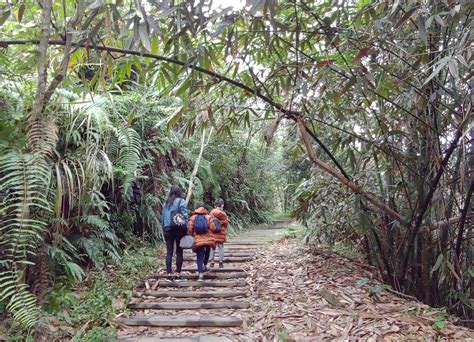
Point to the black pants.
(171, 237)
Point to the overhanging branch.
(294, 115)
(287, 112)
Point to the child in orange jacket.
(220, 237)
(201, 227)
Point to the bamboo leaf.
(362, 53)
(20, 12)
(4, 16)
(96, 4)
(453, 68)
(144, 36)
(441, 64)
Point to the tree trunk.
(196, 166)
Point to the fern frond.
(25, 179)
(130, 145)
(95, 221)
(111, 251)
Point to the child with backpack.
(201, 227)
(221, 221)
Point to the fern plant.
(24, 181)
(96, 239)
(128, 161)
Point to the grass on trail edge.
(86, 311)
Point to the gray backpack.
(217, 224)
(186, 242)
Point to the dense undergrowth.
(85, 311)
(110, 164)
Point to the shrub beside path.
(273, 289)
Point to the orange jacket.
(220, 237)
(205, 239)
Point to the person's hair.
(218, 202)
(175, 192)
(199, 205)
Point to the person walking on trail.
(221, 221)
(174, 222)
(201, 227)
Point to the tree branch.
(294, 115)
(351, 185)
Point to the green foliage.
(373, 289)
(24, 183)
(102, 297)
(384, 86)
(244, 175)
(282, 335)
(295, 230)
(440, 322)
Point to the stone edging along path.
(163, 305)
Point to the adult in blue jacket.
(174, 231)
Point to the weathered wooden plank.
(208, 275)
(228, 304)
(217, 270)
(230, 253)
(192, 294)
(182, 321)
(201, 338)
(205, 283)
(227, 254)
(226, 259)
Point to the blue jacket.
(178, 203)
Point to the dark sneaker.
(221, 265)
(206, 269)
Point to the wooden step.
(227, 254)
(241, 249)
(253, 240)
(226, 259)
(205, 283)
(191, 305)
(243, 244)
(182, 321)
(191, 294)
(232, 253)
(208, 275)
(201, 338)
(217, 269)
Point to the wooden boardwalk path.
(219, 301)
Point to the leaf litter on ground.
(297, 296)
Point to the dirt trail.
(273, 290)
